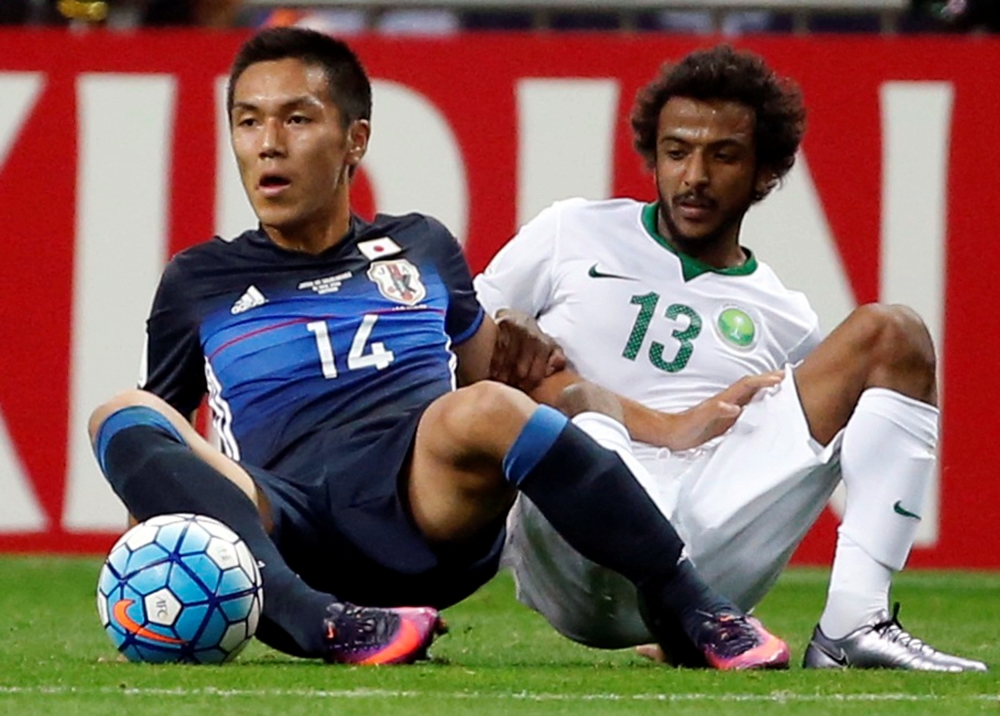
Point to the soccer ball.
(182, 588)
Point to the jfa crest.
(398, 280)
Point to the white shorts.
(742, 503)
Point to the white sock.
(859, 589)
(887, 460)
(612, 435)
(605, 430)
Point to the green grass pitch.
(499, 658)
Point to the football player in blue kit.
(366, 459)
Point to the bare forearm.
(643, 424)
(649, 426)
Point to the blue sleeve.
(465, 314)
(174, 364)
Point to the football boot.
(882, 643)
(373, 635)
(734, 641)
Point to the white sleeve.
(520, 275)
(808, 343)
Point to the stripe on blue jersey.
(130, 417)
(533, 443)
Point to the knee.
(124, 399)
(896, 338)
(487, 412)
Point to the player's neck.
(717, 254)
(312, 237)
(721, 249)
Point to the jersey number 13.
(647, 305)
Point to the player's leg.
(582, 600)
(877, 346)
(621, 610)
(874, 377)
(157, 463)
(744, 503)
(476, 446)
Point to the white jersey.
(667, 331)
(638, 318)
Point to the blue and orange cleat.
(733, 641)
(372, 635)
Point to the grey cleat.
(883, 643)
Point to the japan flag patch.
(378, 248)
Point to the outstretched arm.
(531, 360)
(676, 431)
(514, 350)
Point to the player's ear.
(357, 140)
(766, 180)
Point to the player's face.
(705, 170)
(292, 149)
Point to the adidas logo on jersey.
(251, 298)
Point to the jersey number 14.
(377, 357)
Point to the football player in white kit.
(660, 303)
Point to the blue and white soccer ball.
(181, 588)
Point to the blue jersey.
(303, 355)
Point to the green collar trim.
(692, 267)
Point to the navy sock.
(591, 498)
(154, 472)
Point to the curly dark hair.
(722, 73)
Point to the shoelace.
(892, 630)
(731, 634)
(359, 627)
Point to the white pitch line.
(773, 697)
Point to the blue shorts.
(346, 529)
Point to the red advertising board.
(112, 157)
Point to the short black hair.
(722, 73)
(348, 84)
